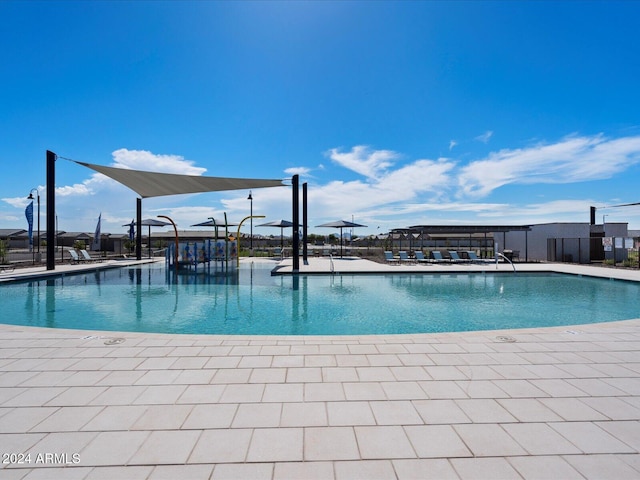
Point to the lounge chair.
(74, 256)
(455, 258)
(437, 257)
(420, 257)
(388, 256)
(473, 257)
(404, 257)
(88, 258)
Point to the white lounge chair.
(74, 256)
(88, 258)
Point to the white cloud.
(302, 171)
(361, 159)
(484, 138)
(574, 159)
(452, 144)
(145, 160)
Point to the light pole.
(603, 217)
(30, 197)
(250, 198)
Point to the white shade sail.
(154, 184)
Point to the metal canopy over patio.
(462, 231)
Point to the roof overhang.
(461, 229)
(154, 184)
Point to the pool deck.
(545, 403)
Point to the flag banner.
(95, 246)
(28, 212)
(132, 231)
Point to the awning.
(154, 184)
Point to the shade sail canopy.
(154, 184)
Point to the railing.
(331, 265)
(498, 254)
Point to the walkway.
(536, 403)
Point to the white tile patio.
(558, 402)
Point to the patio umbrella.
(278, 223)
(147, 222)
(215, 223)
(340, 224)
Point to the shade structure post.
(304, 223)
(51, 210)
(139, 231)
(296, 223)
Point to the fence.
(615, 251)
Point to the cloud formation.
(573, 159)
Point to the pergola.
(461, 231)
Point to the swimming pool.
(149, 299)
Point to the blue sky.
(394, 113)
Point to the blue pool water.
(149, 299)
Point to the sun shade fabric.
(154, 184)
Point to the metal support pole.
(139, 230)
(296, 222)
(51, 210)
(305, 223)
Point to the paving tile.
(558, 388)
(403, 390)
(330, 443)
(162, 417)
(485, 411)
(76, 396)
(75, 473)
(303, 470)
(119, 395)
(201, 394)
(221, 446)
(383, 442)
(572, 409)
(481, 389)
(20, 420)
(276, 445)
(544, 468)
(625, 431)
(440, 412)
(365, 470)
(194, 377)
(613, 408)
(108, 448)
(253, 471)
(488, 440)
(424, 469)
(443, 389)
(268, 375)
(308, 414)
(116, 417)
(210, 416)
(540, 439)
(257, 415)
(158, 377)
(182, 472)
(436, 441)
(232, 375)
(602, 466)
(590, 438)
(395, 413)
(283, 392)
(134, 472)
(166, 447)
(160, 394)
(375, 374)
(364, 391)
(123, 378)
(305, 374)
(242, 393)
(67, 419)
(324, 392)
(529, 410)
(349, 414)
(34, 397)
(339, 374)
(484, 468)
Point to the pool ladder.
(507, 259)
(332, 267)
